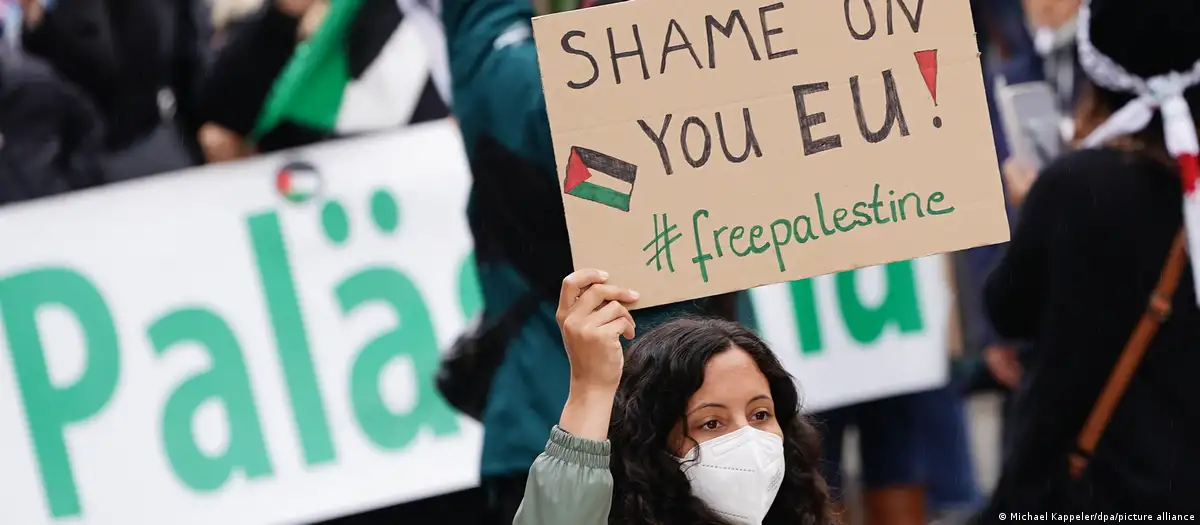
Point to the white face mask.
(738, 474)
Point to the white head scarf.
(1163, 93)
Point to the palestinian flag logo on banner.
(614, 186)
(298, 181)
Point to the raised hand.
(592, 317)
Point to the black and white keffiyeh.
(1163, 93)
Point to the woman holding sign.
(700, 425)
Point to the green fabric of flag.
(310, 89)
(559, 6)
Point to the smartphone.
(1032, 121)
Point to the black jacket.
(243, 72)
(123, 53)
(1087, 251)
(50, 136)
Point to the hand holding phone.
(1019, 177)
(1032, 121)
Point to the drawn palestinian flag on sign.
(298, 181)
(613, 189)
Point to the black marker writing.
(914, 21)
(683, 142)
(675, 38)
(658, 141)
(638, 52)
(668, 48)
(566, 45)
(698, 155)
(769, 32)
(807, 121)
(751, 140)
(727, 30)
(870, 17)
(895, 114)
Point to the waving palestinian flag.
(372, 64)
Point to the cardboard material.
(708, 146)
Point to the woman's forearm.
(588, 411)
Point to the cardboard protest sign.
(708, 146)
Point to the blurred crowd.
(100, 91)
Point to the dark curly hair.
(663, 369)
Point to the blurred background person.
(1051, 57)
(228, 17)
(1089, 249)
(253, 53)
(892, 478)
(1007, 52)
(1052, 24)
(952, 494)
(1042, 48)
(51, 138)
(368, 65)
(140, 62)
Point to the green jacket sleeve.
(569, 483)
(497, 86)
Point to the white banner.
(196, 349)
(863, 334)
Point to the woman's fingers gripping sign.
(593, 316)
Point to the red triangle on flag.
(283, 181)
(577, 172)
